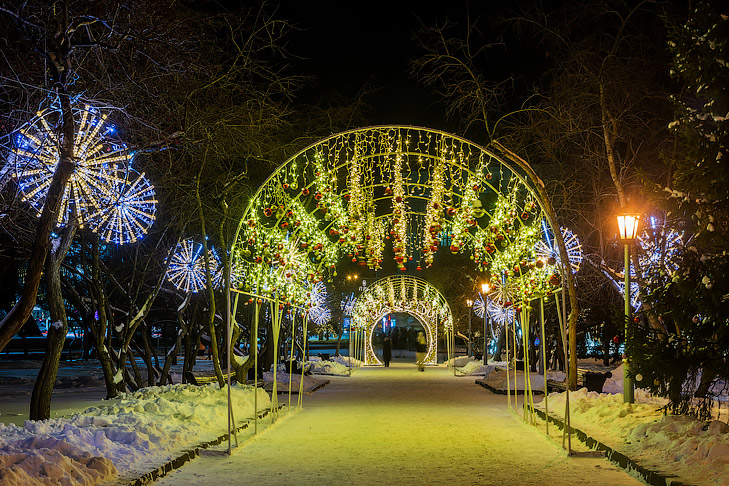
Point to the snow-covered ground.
(127, 436)
(397, 426)
(695, 452)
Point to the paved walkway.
(398, 426)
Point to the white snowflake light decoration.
(130, 214)
(187, 268)
(479, 307)
(547, 247)
(101, 191)
(500, 314)
(348, 304)
(319, 311)
(660, 244)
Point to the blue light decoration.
(187, 267)
(659, 244)
(127, 218)
(102, 191)
(546, 247)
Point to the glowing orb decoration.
(547, 247)
(101, 192)
(129, 214)
(187, 267)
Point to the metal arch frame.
(522, 176)
(507, 159)
(414, 290)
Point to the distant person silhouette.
(386, 351)
(420, 349)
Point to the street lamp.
(628, 227)
(484, 291)
(469, 304)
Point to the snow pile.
(37, 461)
(672, 444)
(614, 384)
(328, 368)
(345, 360)
(460, 361)
(476, 368)
(132, 434)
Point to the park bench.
(592, 380)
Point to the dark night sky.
(348, 43)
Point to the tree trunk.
(209, 287)
(20, 313)
(40, 402)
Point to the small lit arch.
(404, 294)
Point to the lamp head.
(469, 303)
(485, 287)
(628, 226)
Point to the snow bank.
(328, 368)
(476, 368)
(459, 361)
(346, 360)
(671, 444)
(129, 435)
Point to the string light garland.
(353, 195)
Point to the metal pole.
(291, 354)
(506, 340)
(544, 361)
(227, 344)
(628, 388)
(470, 339)
(485, 334)
(254, 344)
(567, 430)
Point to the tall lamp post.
(469, 304)
(484, 290)
(628, 227)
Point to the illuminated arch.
(405, 294)
(353, 193)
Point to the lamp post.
(628, 228)
(469, 304)
(484, 291)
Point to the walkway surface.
(398, 426)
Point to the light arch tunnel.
(409, 189)
(407, 294)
